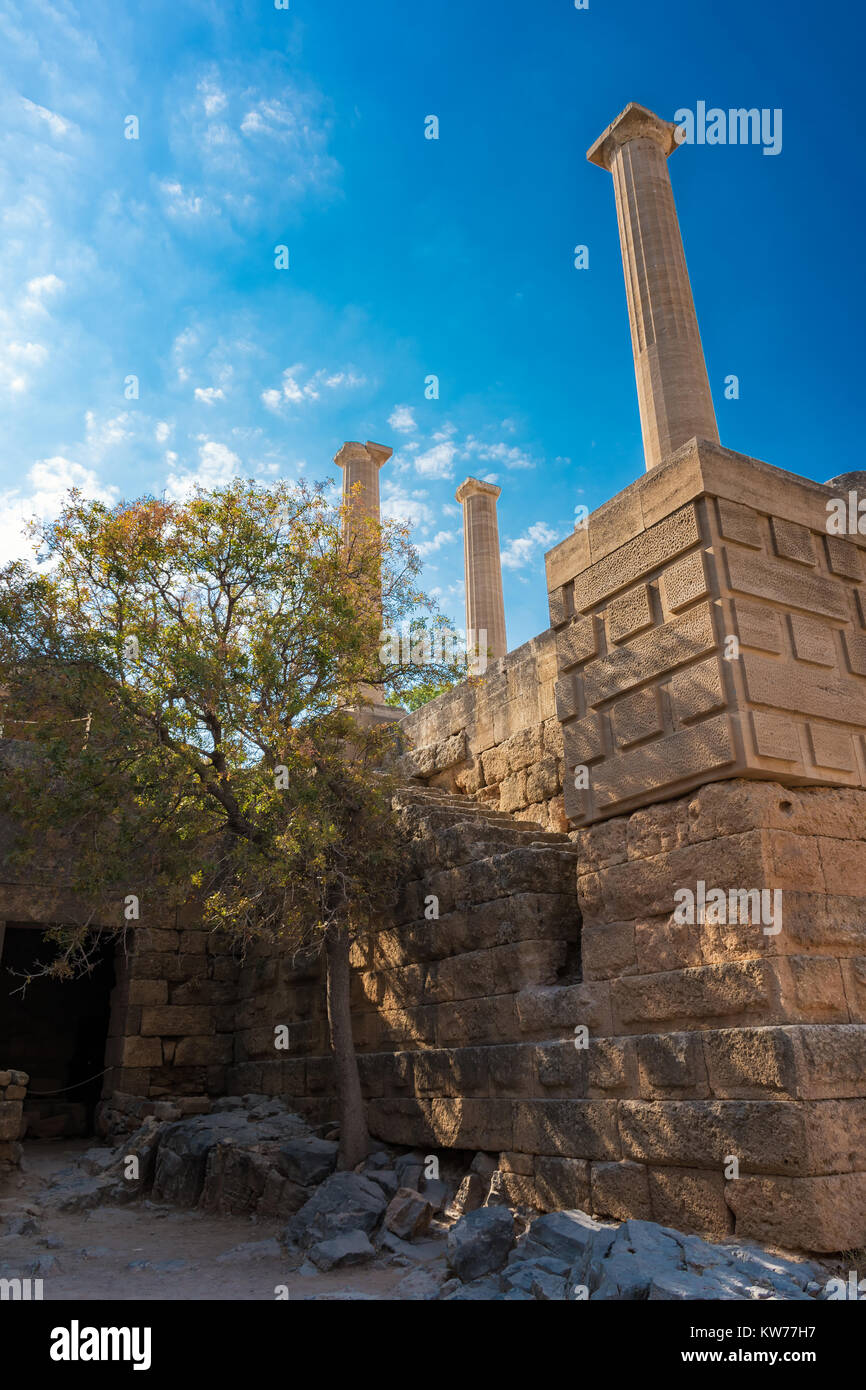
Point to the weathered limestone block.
(672, 1065)
(554, 1010)
(620, 1190)
(612, 1066)
(562, 1184)
(436, 757)
(768, 1136)
(472, 1124)
(690, 1200)
(702, 997)
(825, 1213)
(567, 1128)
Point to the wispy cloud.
(523, 550)
(402, 419)
(294, 390)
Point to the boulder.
(639, 1254)
(307, 1161)
(385, 1178)
(479, 1242)
(351, 1248)
(344, 1202)
(410, 1170)
(571, 1236)
(408, 1215)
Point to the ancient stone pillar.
(672, 386)
(485, 607)
(360, 464)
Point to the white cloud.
(56, 124)
(162, 431)
(209, 394)
(441, 538)
(179, 203)
(402, 419)
(15, 358)
(508, 454)
(523, 549)
(49, 481)
(400, 505)
(217, 466)
(213, 98)
(294, 391)
(39, 289)
(438, 461)
(102, 435)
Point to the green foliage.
(420, 694)
(184, 673)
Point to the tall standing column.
(360, 464)
(672, 385)
(485, 606)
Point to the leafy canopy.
(186, 672)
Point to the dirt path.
(145, 1251)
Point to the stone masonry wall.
(708, 626)
(722, 1040)
(13, 1090)
(497, 738)
(706, 1042)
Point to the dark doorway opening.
(55, 1031)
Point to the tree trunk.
(354, 1140)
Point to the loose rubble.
(454, 1234)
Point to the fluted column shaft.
(672, 384)
(485, 605)
(360, 464)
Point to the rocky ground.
(245, 1203)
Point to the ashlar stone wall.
(497, 737)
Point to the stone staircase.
(439, 808)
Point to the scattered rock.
(344, 1202)
(410, 1170)
(307, 1161)
(470, 1195)
(96, 1161)
(484, 1165)
(421, 1285)
(479, 1242)
(408, 1214)
(386, 1178)
(568, 1235)
(436, 1191)
(351, 1248)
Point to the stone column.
(485, 607)
(360, 464)
(672, 385)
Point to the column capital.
(355, 452)
(472, 486)
(635, 122)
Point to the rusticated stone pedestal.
(709, 625)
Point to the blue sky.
(408, 257)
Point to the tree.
(193, 674)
